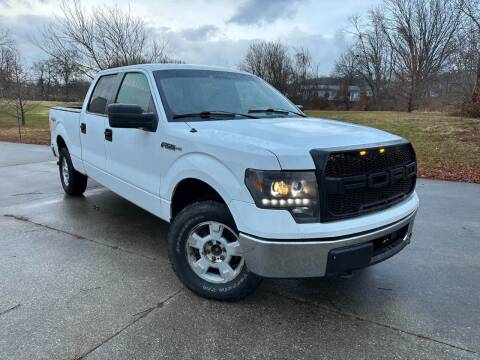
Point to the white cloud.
(264, 11)
(215, 32)
(200, 33)
(24, 29)
(222, 51)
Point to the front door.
(132, 154)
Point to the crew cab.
(252, 187)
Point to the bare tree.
(7, 60)
(302, 75)
(16, 103)
(45, 77)
(13, 84)
(346, 68)
(421, 33)
(102, 38)
(270, 61)
(67, 73)
(373, 54)
(17, 97)
(468, 54)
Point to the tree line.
(407, 50)
(403, 54)
(77, 44)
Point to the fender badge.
(172, 147)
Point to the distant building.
(333, 92)
(331, 89)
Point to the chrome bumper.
(301, 259)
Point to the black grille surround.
(351, 184)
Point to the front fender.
(207, 169)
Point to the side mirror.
(300, 107)
(131, 117)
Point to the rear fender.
(61, 131)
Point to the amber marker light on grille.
(381, 150)
(363, 152)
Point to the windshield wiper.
(213, 114)
(276, 111)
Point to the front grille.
(350, 163)
(351, 184)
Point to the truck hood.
(291, 139)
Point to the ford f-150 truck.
(252, 187)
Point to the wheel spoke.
(216, 231)
(234, 249)
(226, 271)
(196, 241)
(201, 266)
(208, 252)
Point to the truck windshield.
(187, 94)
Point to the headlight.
(295, 191)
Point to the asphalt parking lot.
(89, 278)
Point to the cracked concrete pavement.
(89, 278)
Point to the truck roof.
(154, 67)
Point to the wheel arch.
(190, 190)
(207, 169)
(61, 137)
(61, 143)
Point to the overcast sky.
(214, 32)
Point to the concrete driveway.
(89, 278)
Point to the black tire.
(241, 286)
(77, 182)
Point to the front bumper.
(326, 256)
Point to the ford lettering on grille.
(379, 179)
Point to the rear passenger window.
(136, 91)
(102, 94)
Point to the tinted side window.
(102, 94)
(136, 91)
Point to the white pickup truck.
(252, 187)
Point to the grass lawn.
(36, 130)
(447, 147)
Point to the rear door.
(132, 154)
(94, 122)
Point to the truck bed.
(66, 124)
(75, 109)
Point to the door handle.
(83, 128)
(108, 134)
